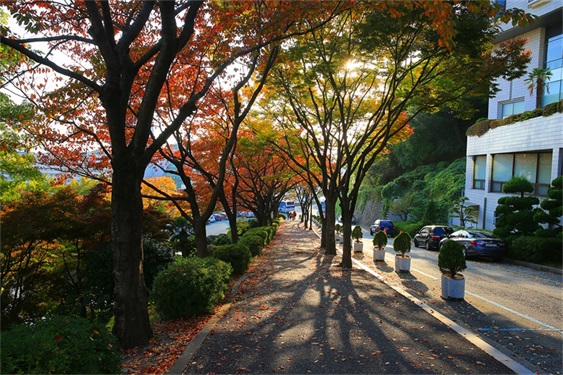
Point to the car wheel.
(415, 243)
(465, 252)
(427, 245)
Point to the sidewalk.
(297, 312)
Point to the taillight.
(474, 243)
(436, 238)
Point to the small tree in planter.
(451, 262)
(379, 242)
(402, 244)
(357, 234)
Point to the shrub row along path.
(298, 312)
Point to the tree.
(536, 81)
(344, 90)
(465, 214)
(121, 62)
(516, 213)
(264, 176)
(402, 206)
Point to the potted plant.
(379, 242)
(357, 234)
(402, 245)
(451, 262)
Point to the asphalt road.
(516, 308)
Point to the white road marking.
(515, 312)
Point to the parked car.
(430, 236)
(477, 243)
(384, 225)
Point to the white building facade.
(531, 148)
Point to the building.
(532, 148)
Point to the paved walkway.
(297, 312)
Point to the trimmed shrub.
(357, 233)
(60, 345)
(536, 249)
(451, 260)
(190, 286)
(380, 239)
(237, 255)
(260, 231)
(531, 114)
(254, 242)
(402, 243)
(221, 239)
(478, 129)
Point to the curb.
(537, 267)
(194, 345)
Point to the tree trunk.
(330, 220)
(132, 326)
(347, 239)
(200, 232)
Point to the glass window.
(513, 108)
(552, 93)
(555, 49)
(544, 170)
(502, 171)
(554, 61)
(525, 165)
(479, 172)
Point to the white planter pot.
(378, 255)
(402, 264)
(358, 247)
(445, 280)
(453, 288)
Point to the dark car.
(477, 243)
(384, 225)
(430, 236)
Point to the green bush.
(410, 228)
(237, 255)
(190, 286)
(451, 260)
(260, 231)
(380, 239)
(254, 242)
(553, 108)
(402, 243)
(220, 239)
(60, 345)
(157, 256)
(536, 249)
(479, 128)
(357, 233)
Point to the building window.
(512, 108)
(553, 91)
(479, 163)
(502, 171)
(535, 167)
(544, 174)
